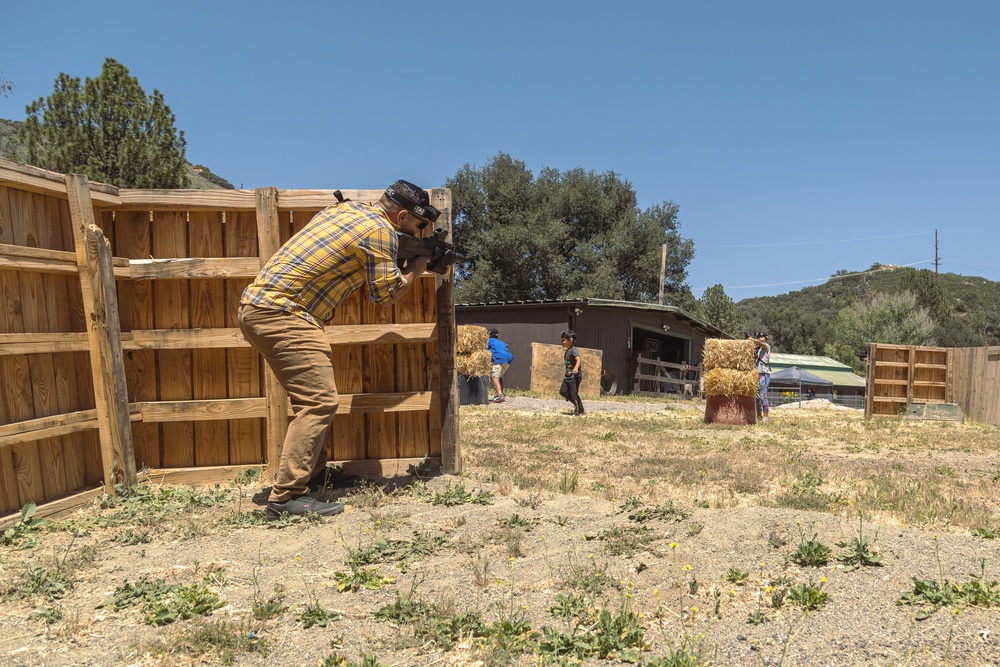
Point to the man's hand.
(416, 265)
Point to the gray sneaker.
(301, 505)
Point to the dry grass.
(928, 474)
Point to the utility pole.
(936, 258)
(663, 271)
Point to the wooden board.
(171, 311)
(548, 369)
(205, 239)
(242, 364)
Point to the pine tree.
(107, 129)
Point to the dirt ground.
(512, 554)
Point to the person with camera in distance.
(762, 361)
(570, 389)
(502, 359)
(283, 310)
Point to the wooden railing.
(654, 377)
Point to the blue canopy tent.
(796, 376)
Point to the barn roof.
(607, 303)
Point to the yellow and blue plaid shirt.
(342, 247)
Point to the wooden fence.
(901, 375)
(120, 350)
(655, 378)
(975, 382)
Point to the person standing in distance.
(570, 389)
(763, 364)
(502, 359)
(283, 310)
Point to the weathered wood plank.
(135, 306)
(192, 339)
(41, 343)
(56, 509)
(186, 200)
(194, 267)
(428, 304)
(111, 360)
(315, 200)
(243, 365)
(411, 374)
(47, 427)
(250, 408)
(171, 311)
(209, 366)
(379, 373)
(268, 242)
(347, 434)
(42, 181)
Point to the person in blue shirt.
(502, 359)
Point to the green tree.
(107, 129)
(718, 309)
(571, 234)
(5, 85)
(894, 318)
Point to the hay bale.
(470, 338)
(729, 382)
(738, 355)
(479, 362)
(735, 410)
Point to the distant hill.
(11, 148)
(966, 309)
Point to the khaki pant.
(299, 354)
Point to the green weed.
(25, 529)
(809, 596)
(358, 578)
(314, 615)
(569, 482)
(859, 551)
(810, 552)
(164, 603)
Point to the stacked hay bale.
(731, 381)
(473, 363)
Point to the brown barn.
(620, 329)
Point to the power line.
(776, 245)
(818, 280)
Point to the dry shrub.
(737, 355)
(470, 338)
(728, 382)
(477, 363)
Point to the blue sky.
(798, 138)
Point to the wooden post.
(100, 304)
(268, 243)
(451, 453)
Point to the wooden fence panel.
(133, 238)
(347, 436)
(378, 371)
(242, 364)
(202, 391)
(211, 438)
(172, 311)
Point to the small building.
(847, 388)
(620, 329)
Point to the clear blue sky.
(798, 138)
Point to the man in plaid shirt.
(283, 310)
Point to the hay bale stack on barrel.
(731, 381)
(473, 362)
(472, 358)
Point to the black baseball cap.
(414, 199)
